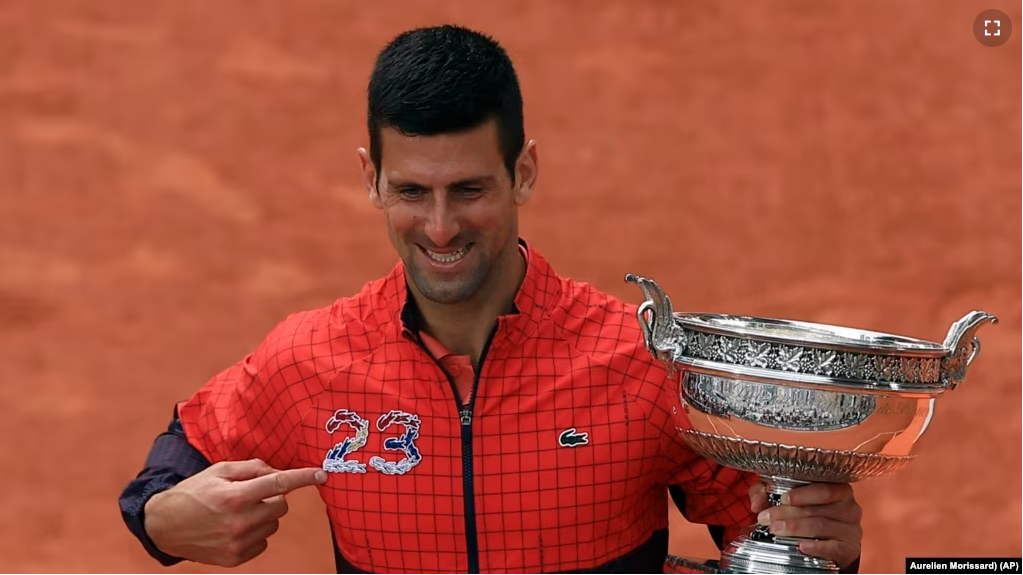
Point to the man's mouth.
(446, 257)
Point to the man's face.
(450, 206)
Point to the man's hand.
(223, 515)
(824, 511)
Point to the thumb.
(244, 470)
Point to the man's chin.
(445, 297)
(445, 292)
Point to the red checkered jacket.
(557, 453)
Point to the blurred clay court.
(177, 176)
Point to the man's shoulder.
(606, 329)
(597, 321)
(333, 335)
(583, 299)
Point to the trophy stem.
(776, 487)
(761, 551)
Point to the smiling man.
(471, 411)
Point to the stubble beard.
(449, 291)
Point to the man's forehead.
(441, 170)
(442, 159)
(440, 178)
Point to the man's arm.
(181, 507)
(214, 483)
(171, 460)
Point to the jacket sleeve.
(248, 410)
(707, 493)
(243, 412)
(171, 460)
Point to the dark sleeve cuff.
(133, 512)
(171, 460)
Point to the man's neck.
(463, 329)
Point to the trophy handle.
(647, 316)
(962, 346)
(657, 320)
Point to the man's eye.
(411, 192)
(472, 190)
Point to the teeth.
(446, 258)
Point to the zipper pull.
(466, 416)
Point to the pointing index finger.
(283, 482)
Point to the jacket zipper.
(465, 418)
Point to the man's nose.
(441, 224)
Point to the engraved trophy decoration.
(797, 402)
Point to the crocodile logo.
(571, 438)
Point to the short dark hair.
(445, 79)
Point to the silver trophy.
(797, 402)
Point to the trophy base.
(759, 553)
(748, 556)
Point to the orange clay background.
(176, 176)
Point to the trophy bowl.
(797, 402)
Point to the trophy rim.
(838, 354)
(809, 334)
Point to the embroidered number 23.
(335, 461)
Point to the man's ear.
(369, 178)
(527, 168)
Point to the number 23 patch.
(337, 459)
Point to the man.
(472, 411)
